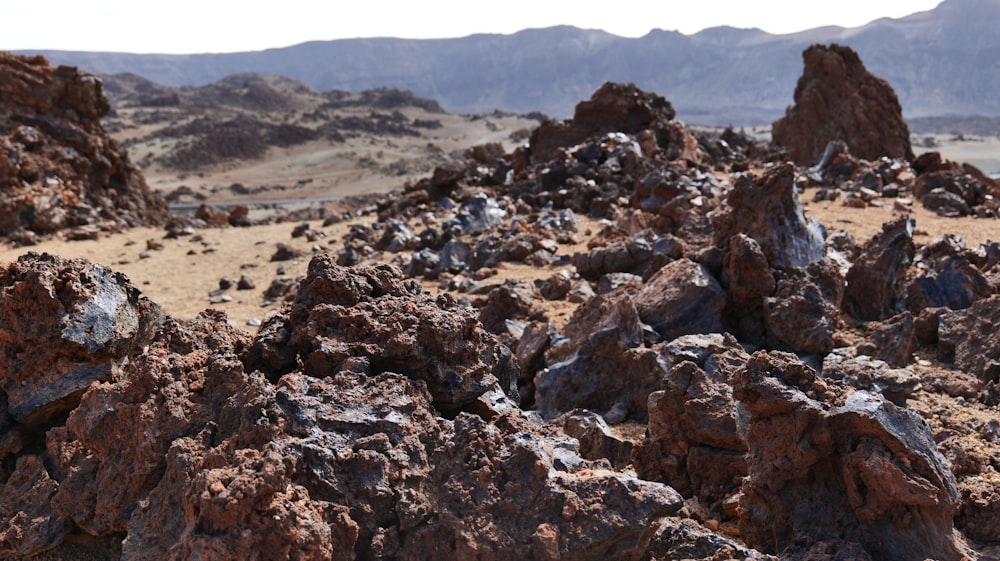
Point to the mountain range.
(940, 62)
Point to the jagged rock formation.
(58, 168)
(838, 99)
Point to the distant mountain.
(942, 61)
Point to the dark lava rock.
(285, 252)
(767, 209)
(371, 320)
(969, 337)
(825, 463)
(682, 298)
(836, 98)
(64, 325)
(876, 280)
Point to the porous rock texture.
(371, 320)
(836, 98)
(188, 454)
(63, 325)
(58, 167)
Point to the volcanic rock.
(836, 98)
(766, 208)
(63, 325)
(30, 523)
(511, 300)
(876, 280)
(827, 463)
(692, 442)
(804, 311)
(969, 338)
(871, 374)
(58, 167)
(370, 320)
(681, 298)
(612, 108)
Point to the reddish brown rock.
(746, 276)
(63, 325)
(836, 98)
(612, 108)
(826, 463)
(803, 313)
(189, 378)
(876, 280)
(693, 443)
(28, 524)
(371, 320)
(58, 167)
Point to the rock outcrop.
(839, 464)
(836, 98)
(59, 170)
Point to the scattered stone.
(245, 283)
(285, 252)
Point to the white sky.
(196, 26)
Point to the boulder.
(836, 98)
(876, 279)
(681, 298)
(969, 338)
(766, 208)
(803, 313)
(826, 462)
(692, 442)
(65, 324)
(59, 169)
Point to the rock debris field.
(624, 340)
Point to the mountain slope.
(940, 62)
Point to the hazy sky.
(195, 26)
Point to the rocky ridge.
(736, 382)
(59, 169)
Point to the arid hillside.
(263, 138)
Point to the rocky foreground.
(736, 382)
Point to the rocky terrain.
(623, 340)
(251, 137)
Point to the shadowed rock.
(767, 209)
(876, 280)
(836, 98)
